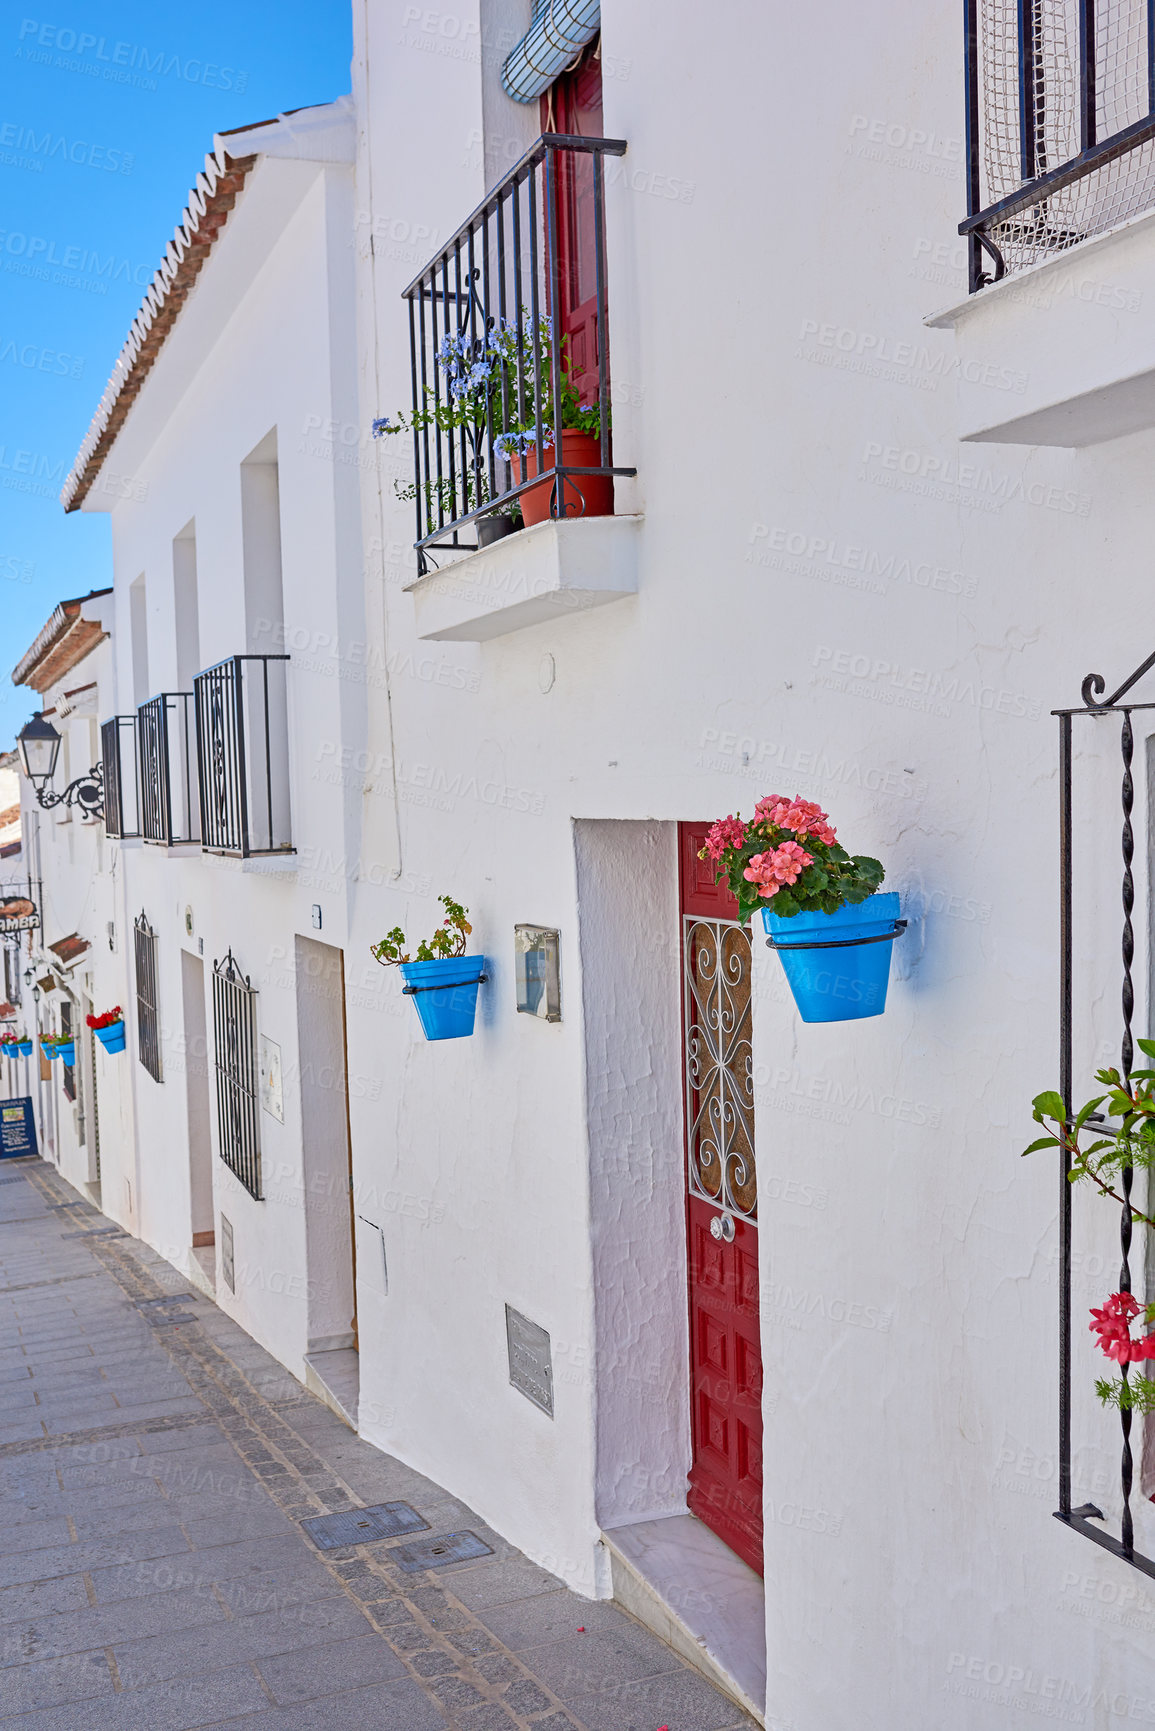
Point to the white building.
(809, 585)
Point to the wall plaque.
(530, 1365)
(272, 1088)
(228, 1267)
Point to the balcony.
(166, 743)
(121, 781)
(242, 740)
(510, 427)
(1060, 230)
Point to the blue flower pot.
(24, 1047)
(112, 1037)
(445, 993)
(67, 1051)
(844, 983)
(49, 1052)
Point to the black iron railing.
(1088, 1518)
(121, 781)
(235, 1054)
(242, 730)
(1060, 126)
(508, 338)
(169, 797)
(147, 998)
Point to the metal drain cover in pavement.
(438, 1553)
(362, 1526)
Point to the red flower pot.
(585, 495)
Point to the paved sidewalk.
(155, 1465)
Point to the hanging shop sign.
(18, 914)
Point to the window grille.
(147, 1006)
(166, 741)
(1060, 125)
(1082, 1421)
(68, 1071)
(242, 731)
(121, 782)
(235, 1056)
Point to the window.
(147, 1013)
(235, 1057)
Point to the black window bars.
(235, 1056)
(242, 733)
(1060, 126)
(488, 347)
(169, 797)
(1086, 1518)
(121, 782)
(147, 1000)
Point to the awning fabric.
(559, 31)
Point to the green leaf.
(1147, 1046)
(1043, 1142)
(1050, 1104)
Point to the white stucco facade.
(822, 580)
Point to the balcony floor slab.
(546, 573)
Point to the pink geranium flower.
(1113, 1325)
(783, 865)
(726, 833)
(802, 816)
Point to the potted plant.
(496, 388)
(1128, 1142)
(51, 1046)
(24, 1047)
(11, 1044)
(832, 932)
(109, 1028)
(441, 979)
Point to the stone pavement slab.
(154, 1575)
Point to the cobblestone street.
(154, 1575)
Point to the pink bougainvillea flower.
(728, 832)
(1113, 1326)
(802, 816)
(782, 866)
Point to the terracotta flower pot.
(585, 495)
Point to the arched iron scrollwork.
(719, 1067)
(235, 1058)
(1086, 1518)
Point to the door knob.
(722, 1228)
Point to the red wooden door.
(722, 1208)
(573, 104)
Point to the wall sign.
(272, 1089)
(530, 1364)
(17, 1128)
(536, 969)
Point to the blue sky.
(106, 114)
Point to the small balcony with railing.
(118, 757)
(166, 753)
(1060, 221)
(515, 483)
(242, 756)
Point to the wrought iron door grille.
(169, 800)
(1060, 125)
(1087, 1518)
(484, 301)
(235, 1055)
(242, 730)
(121, 784)
(719, 1072)
(147, 1002)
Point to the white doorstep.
(335, 1378)
(681, 1581)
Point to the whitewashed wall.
(265, 346)
(835, 598)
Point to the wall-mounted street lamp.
(39, 745)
